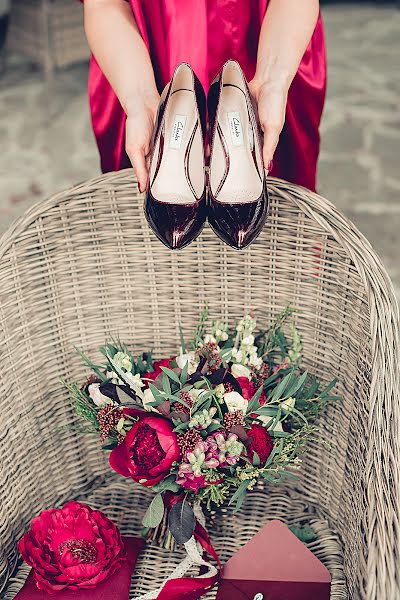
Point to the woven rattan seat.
(83, 265)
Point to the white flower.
(288, 404)
(114, 377)
(219, 391)
(135, 383)
(255, 360)
(248, 340)
(240, 371)
(147, 398)
(266, 419)
(98, 398)
(237, 355)
(209, 339)
(195, 393)
(123, 361)
(235, 401)
(189, 357)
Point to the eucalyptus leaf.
(167, 484)
(155, 512)
(181, 522)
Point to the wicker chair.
(84, 265)
(48, 32)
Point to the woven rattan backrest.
(84, 265)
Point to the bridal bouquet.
(203, 427)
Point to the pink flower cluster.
(217, 450)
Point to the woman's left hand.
(271, 99)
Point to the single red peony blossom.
(165, 362)
(249, 389)
(148, 450)
(73, 547)
(260, 442)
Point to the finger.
(271, 138)
(138, 160)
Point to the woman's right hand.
(140, 119)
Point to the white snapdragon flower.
(235, 401)
(147, 398)
(98, 398)
(209, 339)
(237, 355)
(240, 371)
(122, 360)
(114, 377)
(254, 359)
(189, 357)
(248, 340)
(135, 383)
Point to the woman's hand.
(271, 99)
(139, 129)
(285, 34)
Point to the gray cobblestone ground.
(46, 142)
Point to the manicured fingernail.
(270, 165)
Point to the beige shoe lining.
(243, 182)
(181, 118)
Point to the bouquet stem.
(161, 535)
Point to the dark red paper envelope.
(276, 565)
(115, 587)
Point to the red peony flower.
(73, 547)
(260, 442)
(165, 362)
(249, 389)
(148, 450)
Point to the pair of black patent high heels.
(176, 203)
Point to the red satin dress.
(206, 33)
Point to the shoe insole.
(243, 182)
(171, 183)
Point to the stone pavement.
(46, 142)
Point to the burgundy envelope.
(276, 565)
(115, 587)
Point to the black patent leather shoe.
(175, 204)
(238, 199)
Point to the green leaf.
(305, 534)
(96, 368)
(184, 374)
(328, 388)
(267, 411)
(166, 384)
(256, 460)
(181, 522)
(168, 484)
(200, 329)
(171, 374)
(239, 495)
(254, 403)
(155, 512)
(279, 390)
(158, 395)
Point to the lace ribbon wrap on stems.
(177, 585)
